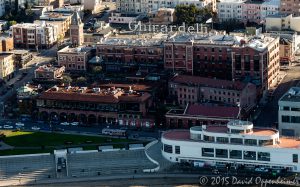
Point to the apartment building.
(230, 10)
(123, 52)
(126, 107)
(54, 3)
(247, 11)
(60, 19)
(30, 35)
(289, 113)
(281, 22)
(185, 89)
(162, 16)
(228, 57)
(288, 7)
(145, 6)
(7, 66)
(74, 59)
(6, 44)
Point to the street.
(92, 130)
(269, 113)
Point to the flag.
(209, 20)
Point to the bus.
(114, 132)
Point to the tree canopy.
(190, 14)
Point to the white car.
(65, 123)
(263, 170)
(8, 127)
(20, 124)
(35, 128)
(75, 123)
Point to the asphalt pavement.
(269, 113)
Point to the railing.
(152, 160)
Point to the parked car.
(262, 170)
(75, 123)
(65, 123)
(19, 124)
(8, 127)
(35, 128)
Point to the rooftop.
(206, 111)
(258, 43)
(80, 49)
(208, 82)
(47, 68)
(184, 135)
(97, 95)
(293, 95)
(134, 40)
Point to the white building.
(270, 7)
(289, 113)
(145, 6)
(122, 18)
(230, 10)
(238, 143)
(280, 22)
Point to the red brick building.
(228, 57)
(96, 106)
(118, 53)
(197, 115)
(185, 89)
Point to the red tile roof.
(212, 111)
(59, 96)
(209, 82)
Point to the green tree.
(81, 81)
(67, 80)
(96, 70)
(190, 14)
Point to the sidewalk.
(98, 178)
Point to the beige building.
(76, 30)
(162, 16)
(7, 67)
(31, 35)
(74, 59)
(280, 22)
(288, 7)
(54, 3)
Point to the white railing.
(152, 160)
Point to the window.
(222, 140)
(209, 138)
(250, 142)
(177, 149)
(295, 158)
(286, 108)
(263, 156)
(285, 119)
(265, 142)
(168, 148)
(295, 119)
(295, 109)
(235, 154)
(238, 62)
(249, 155)
(247, 63)
(235, 131)
(236, 141)
(222, 153)
(208, 152)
